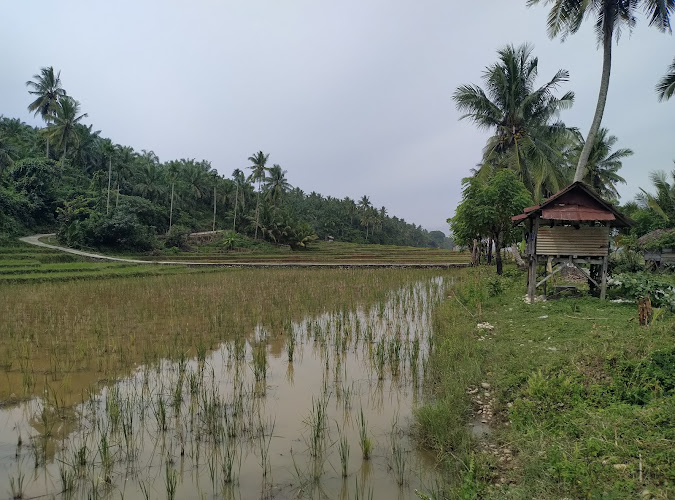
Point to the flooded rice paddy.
(308, 397)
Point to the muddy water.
(283, 415)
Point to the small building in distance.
(570, 229)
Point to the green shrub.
(81, 224)
(638, 382)
(636, 285)
(232, 240)
(177, 237)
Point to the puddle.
(283, 414)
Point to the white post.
(171, 209)
(107, 205)
(214, 209)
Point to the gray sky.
(351, 97)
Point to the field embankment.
(564, 398)
(320, 254)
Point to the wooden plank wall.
(565, 240)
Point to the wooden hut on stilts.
(570, 229)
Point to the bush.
(82, 225)
(122, 231)
(177, 237)
(14, 211)
(636, 285)
(34, 178)
(639, 382)
(656, 240)
(232, 240)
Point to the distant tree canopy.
(95, 193)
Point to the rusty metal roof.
(576, 213)
(577, 202)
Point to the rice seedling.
(318, 425)
(380, 359)
(260, 362)
(159, 410)
(290, 346)
(394, 356)
(343, 451)
(397, 453)
(16, 485)
(230, 458)
(264, 441)
(170, 481)
(364, 440)
(67, 476)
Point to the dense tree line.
(100, 194)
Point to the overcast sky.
(351, 97)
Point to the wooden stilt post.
(532, 278)
(532, 260)
(603, 283)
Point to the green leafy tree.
(666, 86)
(258, 170)
(7, 152)
(611, 16)
(523, 118)
(486, 210)
(36, 180)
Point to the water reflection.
(278, 414)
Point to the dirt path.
(35, 240)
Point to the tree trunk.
(171, 209)
(213, 227)
(236, 202)
(107, 204)
(516, 256)
(489, 251)
(474, 253)
(257, 212)
(602, 99)
(498, 254)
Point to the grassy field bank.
(318, 252)
(576, 398)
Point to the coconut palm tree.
(63, 129)
(364, 203)
(603, 164)
(566, 17)
(276, 184)
(46, 87)
(239, 181)
(259, 160)
(666, 87)
(523, 118)
(662, 202)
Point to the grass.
(582, 396)
(23, 263)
